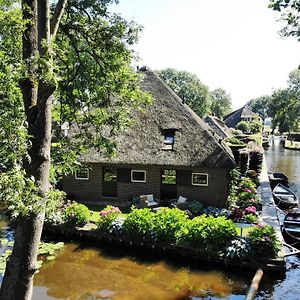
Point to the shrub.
(264, 241)
(167, 222)
(107, 216)
(251, 218)
(216, 212)
(250, 210)
(139, 223)
(235, 141)
(195, 207)
(54, 205)
(256, 126)
(75, 214)
(243, 126)
(206, 233)
(238, 249)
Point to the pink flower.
(250, 210)
(261, 225)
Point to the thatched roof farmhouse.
(169, 151)
(241, 114)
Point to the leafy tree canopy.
(221, 103)
(260, 106)
(290, 14)
(95, 86)
(189, 88)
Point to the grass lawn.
(244, 231)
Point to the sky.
(229, 44)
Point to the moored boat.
(284, 196)
(291, 227)
(278, 177)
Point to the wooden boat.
(278, 177)
(284, 196)
(291, 227)
(265, 143)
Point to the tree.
(189, 88)
(290, 14)
(221, 103)
(284, 106)
(77, 65)
(243, 126)
(260, 106)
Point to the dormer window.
(169, 138)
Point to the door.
(109, 184)
(168, 185)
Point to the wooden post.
(254, 285)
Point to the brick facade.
(90, 191)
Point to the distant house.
(218, 127)
(242, 114)
(168, 152)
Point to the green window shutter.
(184, 178)
(124, 175)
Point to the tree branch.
(59, 10)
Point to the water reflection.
(287, 161)
(86, 273)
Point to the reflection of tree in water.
(87, 274)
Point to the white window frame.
(199, 184)
(82, 178)
(140, 171)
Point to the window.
(109, 174)
(82, 174)
(138, 176)
(200, 179)
(168, 177)
(169, 138)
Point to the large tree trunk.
(37, 95)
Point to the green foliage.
(189, 88)
(208, 234)
(235, 141)
(195, 207)
(96, 88)
(256, 126)
(264, 241)
(107, 216)
(167, 222)
(243, 126)
(290, 14)
(238, 249)
(139, 223)
(221, 103)
(260, 106)
(47, 250)
(75, 214)
(53, 212)
(251, 218)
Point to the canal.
(86, 273)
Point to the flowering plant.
(250, 210)
(264, 241)
(107, 216)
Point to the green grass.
(245, 231)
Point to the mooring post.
(254, 284)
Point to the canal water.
(85, 273)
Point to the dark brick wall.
(91, 191)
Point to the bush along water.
(209, 234)
(75, 214)
(264, 241)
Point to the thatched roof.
(232, 119)
(218, 127)
(143, 143)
